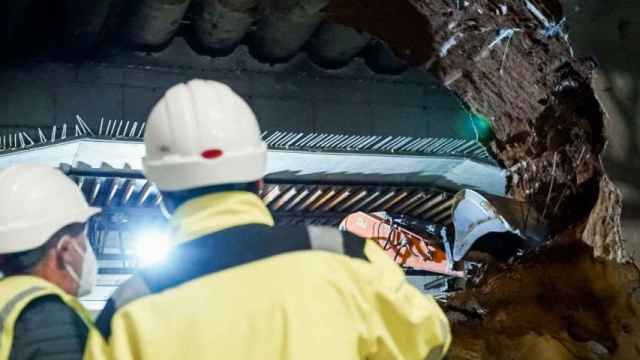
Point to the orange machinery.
(407, 248)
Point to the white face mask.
(87, 279)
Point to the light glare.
(152, 247)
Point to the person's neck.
(53, 274)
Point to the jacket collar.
(214, 212)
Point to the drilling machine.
(497, 226)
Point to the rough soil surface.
(560, 303)
(574, 299)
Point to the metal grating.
(277, 140)
(376, 144)
(291, 203)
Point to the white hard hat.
(35, 202)
(201, 134)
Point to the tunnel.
(394, 110)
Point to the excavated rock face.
(574, 298)
(547, 121)
(603, 230)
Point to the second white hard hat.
(202, 134)
(35, 202)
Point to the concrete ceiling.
(274, 30)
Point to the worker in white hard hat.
(46, 262)
(238, 287)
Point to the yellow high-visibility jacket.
(238, 288)
(16, 292)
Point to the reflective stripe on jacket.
(237, 288)
(17, 292)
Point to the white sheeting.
(445, 172)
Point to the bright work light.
(152, 246)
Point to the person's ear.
(260, 185)
(64, 251)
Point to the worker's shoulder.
(47, 311)
(49, 328)
(379, 266)
(329, 239)
(51, 305)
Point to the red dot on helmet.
(211, 153)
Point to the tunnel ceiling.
(274, 30)
(113, 59)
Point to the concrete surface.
(297, 96)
